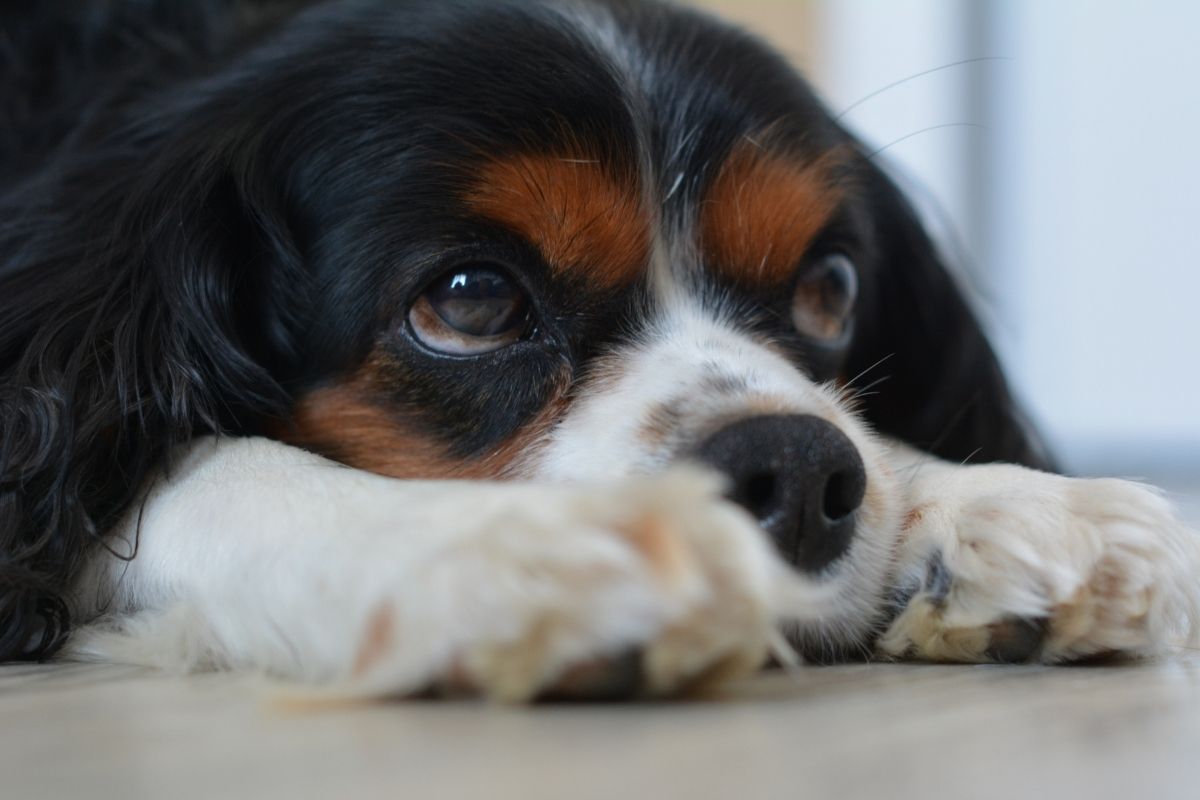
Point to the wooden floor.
(885, 732)
(877, 731)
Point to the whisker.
(953, 423)
(916, 75)
(970, 455)
(868, 369)
(866, 390)
(855, 403)
(785, 654)
(895, 142)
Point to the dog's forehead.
(605, 129)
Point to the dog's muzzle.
(799, 476)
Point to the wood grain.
(894, 731)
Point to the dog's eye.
(823, 305)
(470, 310)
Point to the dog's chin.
(815, 650)
(853, 601)
(835, 640)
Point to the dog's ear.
(129, 284)
(944, 392)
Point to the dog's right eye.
(469, 311)
(823, 304)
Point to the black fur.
(204, 208)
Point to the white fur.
(602, 436)
(1105, 563)
(258, 555)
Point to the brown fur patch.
(912, 518)
(762, 211)
(378, 641)
(581, 216)
(661, 545)
(351, 422)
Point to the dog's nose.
(799, 475)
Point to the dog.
(518, 348)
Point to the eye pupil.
(477, 302)
(838, 286)
(824, 301)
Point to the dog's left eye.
(469, 311)
(823, 305)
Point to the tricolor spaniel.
(522, 347)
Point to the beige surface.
(878, 731)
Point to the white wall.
(1078, 205)
(1099, 143)
(884, 65)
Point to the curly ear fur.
(945, 392)
(126, 304)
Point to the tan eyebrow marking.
(584, 218)
(763, 210)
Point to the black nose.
(799, 475)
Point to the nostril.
(842, 496)
(799, 475)
(757, 494)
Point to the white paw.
(649, 586)
(1009, 564)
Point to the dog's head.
(580, 241)
(553, 241)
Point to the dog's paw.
(1009, 564)
(647, 587)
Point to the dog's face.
(591, 241)
(578, 241)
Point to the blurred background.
(1055, 149)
